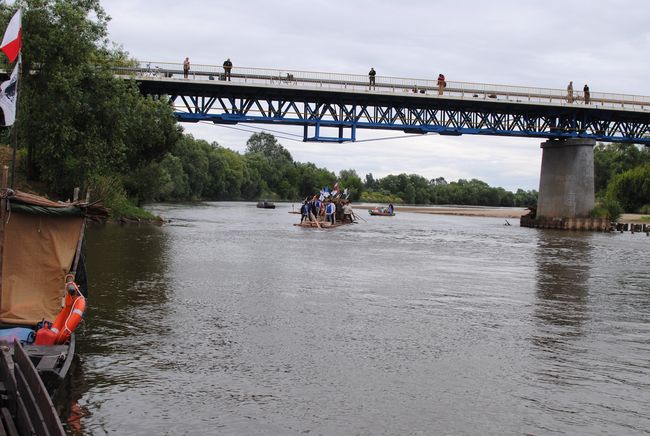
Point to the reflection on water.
(563, 264)
(230, 320)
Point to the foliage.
(613, 159)
(77, 121)
(378, 197)
(348, 179)
(631, 188)
(607, 208)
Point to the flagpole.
(14, 131)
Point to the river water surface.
(230, 320)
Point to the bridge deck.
(354, 83)
(344, 101)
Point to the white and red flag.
(8, 97)
(12, 40)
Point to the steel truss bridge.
(331, 107)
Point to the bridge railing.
(387, 84)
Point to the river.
(230, 320)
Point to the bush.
(645, 209)
(613, 208)
(110, 191)
(631, 189)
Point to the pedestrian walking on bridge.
(587, 94)
(227, 66)
(371, 78)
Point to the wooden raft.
(25, 405)
(323, 224)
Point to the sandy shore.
(494, 212)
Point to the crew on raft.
(329, 210)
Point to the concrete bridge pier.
(566, 183)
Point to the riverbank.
(483, 211)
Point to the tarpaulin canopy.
(39, 241)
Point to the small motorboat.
(266, 205)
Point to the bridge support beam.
(566, 183)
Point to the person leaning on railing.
(227, 66)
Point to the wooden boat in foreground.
(42, 265)
(25, 406)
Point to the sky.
(605, 44)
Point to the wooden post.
(3, 207)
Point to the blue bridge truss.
(335, 114)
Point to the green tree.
(631, 189)
(350, 180)
(80, 124)
(613, 159)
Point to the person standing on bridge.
(569, 92)
(186, 67)
(227, 66)
(371, 78)
(442, 83)
(587, 94)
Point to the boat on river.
(266, 205)
(43, 286)
(384, 211)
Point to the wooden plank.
(30, 404)
(9, 423)
(42, 398)
(3, 432)
(3, 205)
(47, 363)
(8, 376)
(23, 422)
(45, 350)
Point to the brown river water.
(231, 321)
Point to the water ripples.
(233, 321)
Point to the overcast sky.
(529, 43)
